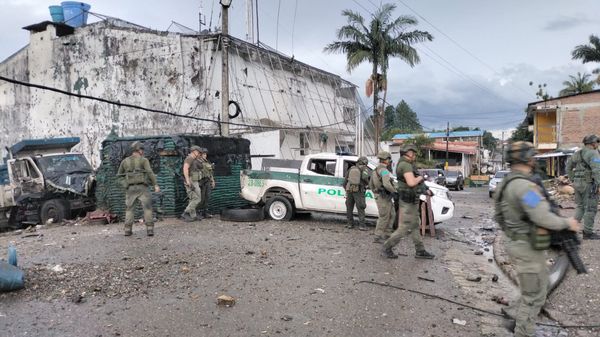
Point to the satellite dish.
(484, 169)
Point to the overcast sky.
(476, 72)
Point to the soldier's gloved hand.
(156, 189)
(574, 225)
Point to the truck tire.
(52, 209)
(279, 208)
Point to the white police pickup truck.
(315, 184)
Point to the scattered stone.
(478, 252)
(495, 278)
(459, 321)
(474, 278)
(225, 300)
(286, 318)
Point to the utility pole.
(502, 168)
(447, 139)
(225, 68)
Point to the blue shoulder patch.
(596, 160)
(384, 172)
(531, 199)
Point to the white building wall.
(162, 71)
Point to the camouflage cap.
(590, 139)
(136, 146)
(519, 152)
(362, 161)
(195, 148)
(383, 155)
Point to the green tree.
(489, 141)
(577, 84)
(383, 38)
(522, 133)
(588, 53)
(400, 119)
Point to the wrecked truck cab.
(42, 180)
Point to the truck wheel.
(52, 209)
(279, 208)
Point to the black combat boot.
(350, 225)
(423, 254)
(362, 227)
(186, 217)
(150, 231)
(389, 253)
(206, 214)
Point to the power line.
(168, 113)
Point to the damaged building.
(286, 108)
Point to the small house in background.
(559, 125)
(464, 149)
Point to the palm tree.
(577, 84)
(383, 38)
(589, 53)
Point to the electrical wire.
(127, 105)
(587, 326)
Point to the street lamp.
(225, 68)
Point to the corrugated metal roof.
(453, 134)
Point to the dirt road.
(297, 278)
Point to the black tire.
(243, 214)
(491, 194)
(53, 209)
(279, 208)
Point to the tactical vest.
(538, 237)
(206, 169)
(375, 183)
(354, 182)
(196, 170)
(582, 172)
(135, 173)
(406, 193)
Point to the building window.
(303, 144)
(349, 115)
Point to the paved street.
(297, 278)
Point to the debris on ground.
(459, 321)
(474, 278)
(225, 300)
(500, 300)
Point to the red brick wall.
(578, 123)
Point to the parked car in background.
(434, 175)
(455, 179)
(495, 181)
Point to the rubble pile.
(561, 190)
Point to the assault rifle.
(565, 239)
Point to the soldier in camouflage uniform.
(526, 218)
(207, 183)
(583, 170)
(410, 187)
(383, 187)
(136, 173)
(356, 182)
(192, 175)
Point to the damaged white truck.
(315, 184)
(42, 181)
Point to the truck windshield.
(64, 164)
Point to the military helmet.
(519, 152)
(362, 160)
(590, 139)
(136, 146)
(203, 150)
(195, 148)
(408, 147)
(383, 155)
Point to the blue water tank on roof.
(75, 13)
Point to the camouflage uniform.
(357, 179)
(136, 173)
(383, 187)
(193, 189)
(521, 209)
(584, 171)
(207, 184)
